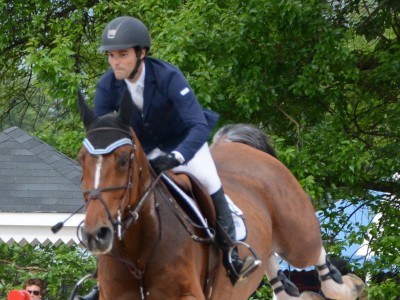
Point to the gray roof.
(34, 177)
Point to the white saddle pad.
(238, 219)
(237, 214)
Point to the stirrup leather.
(250, 263)
(333, 273)
(287, 286)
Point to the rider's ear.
(87, 115)
(125, 109)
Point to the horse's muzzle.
(99, 240)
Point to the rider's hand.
(164, 162)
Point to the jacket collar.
(149, 86)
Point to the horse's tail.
(245, 134)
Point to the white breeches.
(200, 166)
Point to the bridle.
(121, 226)
(131, 214)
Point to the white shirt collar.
(140, 81)
(141, 78)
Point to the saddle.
(194, 189)
(203, 208)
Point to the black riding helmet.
(123, 33)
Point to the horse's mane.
(245, 134)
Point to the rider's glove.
(164, 162)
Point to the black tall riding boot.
(226, 239)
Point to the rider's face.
(122, 62)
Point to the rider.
(168, 120)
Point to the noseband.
(95, 194)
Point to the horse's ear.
(87, 115)
(125, 109)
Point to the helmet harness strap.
(138, 51)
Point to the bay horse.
(147, 249)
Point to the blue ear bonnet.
(105, 134)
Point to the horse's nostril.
(103, 234)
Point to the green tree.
(322, 77)
(59, 266)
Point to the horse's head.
(111, 159)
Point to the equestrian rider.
(167, 118)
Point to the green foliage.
(322, 77)
(389, 290)
(67, 136)
(59, 266)
(264, 292)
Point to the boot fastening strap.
(333, 273)
(286, 286)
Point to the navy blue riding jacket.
(172, 118)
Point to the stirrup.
(73, 295)
(250, 263)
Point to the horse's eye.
(124, 160)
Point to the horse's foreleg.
(283, 288)
(334, 285)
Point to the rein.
(134, 214)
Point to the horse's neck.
(142, 236)
(155, 228)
